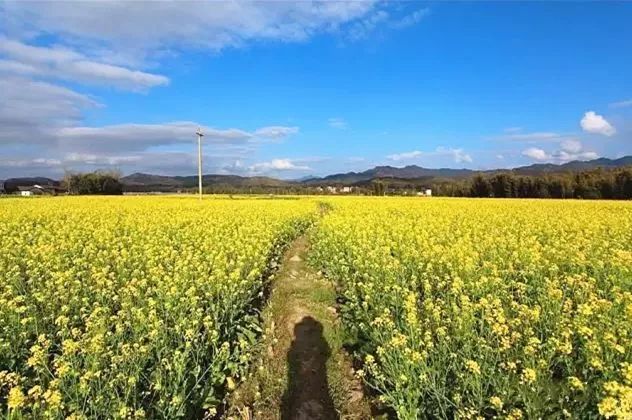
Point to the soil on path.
(303, 372)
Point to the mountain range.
(411, 173)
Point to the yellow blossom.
(16, 398)
(496, 402)
(473, 367)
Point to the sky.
(296, 89)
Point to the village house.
(31, 190)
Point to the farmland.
(466, 308)
(135, 307)
(132, 307)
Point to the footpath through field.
(303, 371)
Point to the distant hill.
(148, 182)
(411, 174)
(407, 175)
(379, 172)
(576, 165)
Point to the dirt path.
(303, 371)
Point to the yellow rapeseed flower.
(16, 398)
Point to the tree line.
(590, 184)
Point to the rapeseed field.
(132, 307)
(482, 308)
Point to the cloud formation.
(539, 136)
(622, 104)
(31, 111)
(456, 154)
(276, 165)
(596, 124)
(406, 155)
(63, 63)
(120, 44)
(135, 147)
(571, 146)
(275, 132)
(363, 27)
(134, 137)
(411, 19)
(536, 153)
(569, 150)
(204, 24)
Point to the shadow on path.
(307, 396)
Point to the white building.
(30, 190)
(428, 192)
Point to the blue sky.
(306, 88)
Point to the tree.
(378, 188)
(94, 183)
(623, 183)
(480, 187)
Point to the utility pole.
(199, 137)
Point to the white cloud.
(596, 124)
(362, 28)
(536, 154)
(571, 146)
(622, 104)
(458, 155)
(278, 165)
(136, 137)
(512, 129)
(30, 110)
(411, 19)
(28, 163)
(533, 137)
(564, 156)
(569, 150)
(58, 145)
(337, 122)
(405, 155)
(63, 63)
(573, 150)
(174, 24)
(275, 132)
